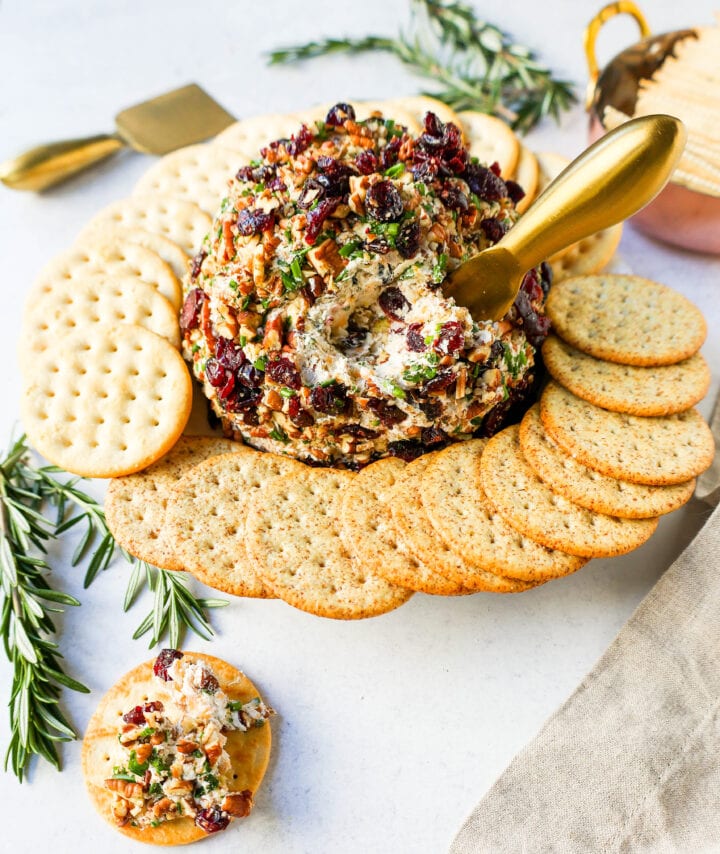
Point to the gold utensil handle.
(46, 165)
(621, 7)
(609, 182)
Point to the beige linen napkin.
(631, 762)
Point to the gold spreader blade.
(609, 182)
(173, 120)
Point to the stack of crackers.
(687, 85)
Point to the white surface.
(389, 730)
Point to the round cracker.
(587, 256)
(457, 507)
(662, 390)
(550, 165)
(527, 174)
(249, 751)
(589, 488)
(414, 524)
(248, 136)
(197, 173)
(626, 319)
(59, 306)
(175, 257)
(183, 222)
(110, 259)
(374, 541)
(491, 140)
(135, 505)
(293, 536)
(531, 507)
(106, 400)
(655, 451)
(205, 517)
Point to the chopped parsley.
(279, 434)
(287, 392)
(137, 767)
(438, 270)
(514, 361)
(395, 171)
(260, 364)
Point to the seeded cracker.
(110, 259)
(180, 221)
(655, 451)
(462, 517)
(106, 400)
(206, 513)
(532, 508)
(527, 175)
(197, 173)
(370, 536)
(491, 140)
(135, 505)
(249, 751)
(293, 536)
(588, 255)
(589, 488)
(661, 390)
(626, 319)
(414, 526)
(57, 308)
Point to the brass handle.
(46, 165)
(621, 7)
(608, 182)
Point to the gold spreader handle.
(46, 165)
(609, 182)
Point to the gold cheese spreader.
(173, 120)
(611, 180)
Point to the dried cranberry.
(388, 414)
(406, 449)
(485, 183)
(190, 315)
(283, 372)
(316, 218)
(366, 162)
(212, 819)
(441, 381)
(251, 221)
(164, 661)
(438, 151)
(432, 436)
(380, 245)
(229, 354)
(299, 141)
(300, 417)
(531, 286)
(393, 303)
(197, 264)
(250, 377)
(407, 241)
(356, 431)
(384, 202)
(312, 191)
(494, 419)
(208, 682)
(330, 399)
(415, 338)
(227, 388)
(389, 154)
(495, 168)
(244, 400)
(214, 373)
(515, 191)
(431, 409)
(339, 114)
(493, 229)
(451, 338)
(256, 174)
(135, 716)
(454, 199)
(535, 326)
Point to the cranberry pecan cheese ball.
(314, 315)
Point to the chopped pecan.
(213, 752)
(273, 400)
(238, 804)
(186, 746)
(326, 259)
(272, 339)
(179, 787)
(163, 806)
(120, 811)
(124, 788)
(142, 752)
(157, 738)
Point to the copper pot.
(680, 216)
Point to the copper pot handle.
(621, 7)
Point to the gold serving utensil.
(610, 181)
(173, 120)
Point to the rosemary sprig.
(25, 624)
(475, 64)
